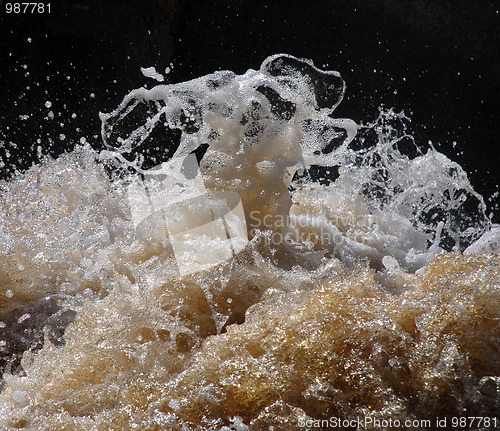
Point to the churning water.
(239, 258)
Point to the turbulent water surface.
(239, 258)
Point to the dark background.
(436, 59)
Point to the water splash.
(343, 302)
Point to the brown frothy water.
(150, 350)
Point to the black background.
(436, 59)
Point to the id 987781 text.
(27, 8)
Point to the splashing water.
(199, 274)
